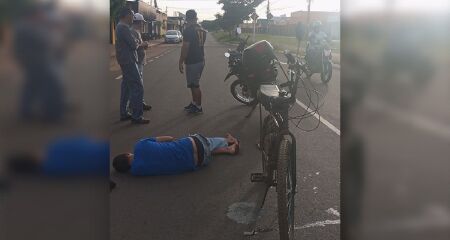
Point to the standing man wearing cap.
(138, 24)
(193, 56)
(126, 54)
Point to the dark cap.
(125, 11)
(191, 14)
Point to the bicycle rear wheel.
(286, 189)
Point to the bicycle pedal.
(257, 177)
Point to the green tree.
(114, 8)
(236, 12)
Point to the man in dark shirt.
(193, 56)
(132, 89)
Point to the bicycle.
(278, 145)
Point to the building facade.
(156, 24)
(176, 22)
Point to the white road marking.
(319, 224)
(333, 212)
(322, 120)
(422, 122)
(119, 77)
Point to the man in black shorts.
(193, 56)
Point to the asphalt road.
(217, 202)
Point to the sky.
(208, 8)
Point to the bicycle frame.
(280, 116)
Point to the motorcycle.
(252, 66)
(319, 61)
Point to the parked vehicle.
(253, 66)
(319, 60)
(181, 34)
(173, 36)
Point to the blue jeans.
(42, 88)
(217, 142)
(209, 145)
(141, 71)
(132, 90)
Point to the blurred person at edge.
(39, 50)
(132, 90)
(71, 156)
(138, 24)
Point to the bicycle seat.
(270, 95)
(269, 91)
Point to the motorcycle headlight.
(227, 55)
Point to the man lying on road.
(166, 155)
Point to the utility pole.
(254, 17)
(269, 15)
(309, 12)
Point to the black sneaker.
(195, 110)
(188, 107)
(140, 121)
(125, 118)
(146, 107)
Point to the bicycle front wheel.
(286, 189)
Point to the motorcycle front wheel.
(242, 93)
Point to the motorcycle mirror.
(227, 54)
(238, 31)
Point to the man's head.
(23, 163)
(316, 26)
(122, 162)
(191, 16)
(138, 21)
(126, 15)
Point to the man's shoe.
(195, 110)
(125, 118)
(146, 107)
(188, 107)
(140, 121)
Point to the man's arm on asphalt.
(184, 52)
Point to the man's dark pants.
(42, 87)
(132, 90)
